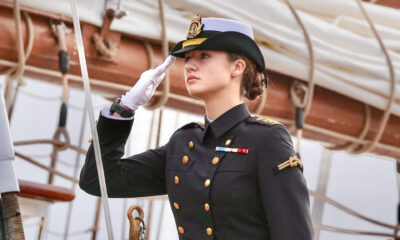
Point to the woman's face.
(207, 72)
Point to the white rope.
(76, 169)
(89, 105)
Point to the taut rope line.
(89, 105)
(303, 108)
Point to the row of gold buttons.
(209, 230)
(207, 183)
(206, 206)
(185, 160)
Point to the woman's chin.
(196, 93)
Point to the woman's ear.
(238, 67)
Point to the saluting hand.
(145, 87)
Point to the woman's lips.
(192, 78)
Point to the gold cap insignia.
(194, 28)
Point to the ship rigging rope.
(349, 211)
(387, 111)
(52, 142)
(64, 69)
(162, 100)
(261, 103)
(158, 138)
(49, 169)
(89, 106)
(15, 73)
(348, 231)
(150, 53)
(303, 107)
(351, 146)
(165, 94)
(107, 52)
(311, 83)
(362, 148)
(28, 47)
(306, 103)
(308, 94)
(119, 87)
(75, 175)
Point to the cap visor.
(181, 53)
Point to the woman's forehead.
(197, 51)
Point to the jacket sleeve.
(284, 193)
(135, 176)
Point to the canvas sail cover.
(348, 58)
(8, 179)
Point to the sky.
(366, 183)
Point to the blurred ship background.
(328, 58)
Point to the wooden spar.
(329, 110)
(387, 3)
(46, 192)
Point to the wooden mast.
(330, 110)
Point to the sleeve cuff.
(105, 112)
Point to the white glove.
(145, 87)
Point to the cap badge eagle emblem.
(194, 28)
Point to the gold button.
(191, 144)
(209, 231)
(215, 160)
(228, 141)
(185, 159)
(176, 206)
(176, 180)
(207, 182)
(207, 207)
(181, 230)
(90, 140)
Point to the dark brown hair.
(253, 80)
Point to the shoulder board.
(193, 125)
(265, 121)
(201, 123)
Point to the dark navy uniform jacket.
(214, 195)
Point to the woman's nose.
(190, 66)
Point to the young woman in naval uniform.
(236, 177)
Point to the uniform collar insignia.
(227, 120)
(194, 28)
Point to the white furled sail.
(348, 58)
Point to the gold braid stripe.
(292, 162)
(195, 41)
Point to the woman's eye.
(187, 58)
(204, 55)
